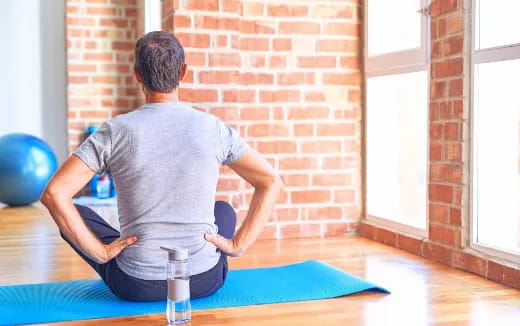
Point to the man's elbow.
(275, 183)
(49, 195)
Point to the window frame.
(479, 56)
(394, 63)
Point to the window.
(397, 113)
(152, 15)
(496, 127)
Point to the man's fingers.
(118, 245)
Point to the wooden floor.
(423, 292)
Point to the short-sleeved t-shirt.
(164, 159)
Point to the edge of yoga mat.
(90, 299)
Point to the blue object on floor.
(94, 201)
(76, 300)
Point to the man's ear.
(183, 72)
(137, 76)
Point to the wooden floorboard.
(423, 292)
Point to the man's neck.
(156, 97)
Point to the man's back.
(164, 158)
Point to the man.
(164, 158)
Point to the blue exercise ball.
(26, 165)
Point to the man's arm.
(261, 175)
(71, 177)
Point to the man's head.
(159, 61)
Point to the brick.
(254, 44)
(368, 231)
(287, 11)
(442, 234)
(439, 7)
(277, 61)
(313, 96)
(81, 67)
(447, 68)
(324, 146)
(350, 79)
(87, 22)
(300, 230)
(296, 180)
(344, 196)
(305, 130)
(269, 231)
(332, 179)
(239, 96)
(317, 62)
(218, 77)
(252, 9)
(225, 113)
(337, 229)
(180, 21)
(437, 252)
(439, 213)
(97, 56)
(445, 172)
(386, 236)
(231, 6)
(455, 87)
(254, 113)
(225, 59)
(295, 78)
(299, 28)
(321, 213)
(350, 29)
(265, 130)
(342, 162)
(77, 79)
(198, 95)
(350, 62)
(123, 45)
(504, 274)
(256, 27)
(279, 146)
(284, 44)
(409, 244)
(454, 24)
(441, 193)
(308, 112)
(204, 5)
(193, 40)
(337, 129)
(453, 45)
(249, 78)
(93, 114)
(114, 22)
(338, 45)
(101, 11)
(469, 263)
(280, 96)
(310, 196)
(332, 11)
(298, 163)
(455, 216)
(106, 79)
(286, 214)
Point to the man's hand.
(227, 246)
(114, 248)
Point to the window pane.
(393, 26)
(497, 23)
(497, 149)
(397, 123)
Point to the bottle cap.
(176, 253)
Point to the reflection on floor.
(423, 292)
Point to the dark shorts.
(135, 289)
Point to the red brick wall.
(448, 227)
(100, 39)
(288, 78)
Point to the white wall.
(33, 80)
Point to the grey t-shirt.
(164, 159)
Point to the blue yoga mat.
(76, 300)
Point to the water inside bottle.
(178, 312)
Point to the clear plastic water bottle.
(178, 310)
(103, 186)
